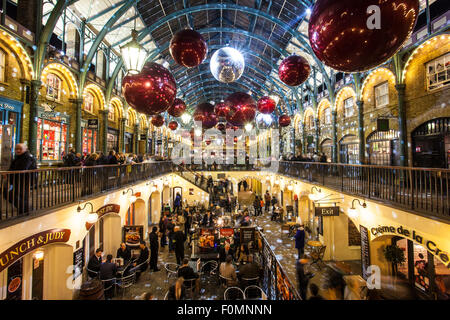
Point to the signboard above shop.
(92, 123)
(326, 211)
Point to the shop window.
(421, 274)
(348, 107)
(52, 138)
(89, 103)
(382, 95)
(53, 87)
(89, 141)
(384, 148)
(327, 115)
(438, 72)
(442, 280)
(402, 268)
(354, 237)
(311, 122)
(111, 114)
(2, 66)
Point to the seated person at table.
(225, 251)
(228, 271)
(124, 252)
(177, 290)
(243, 253)
(108, 270)
(187, 273)
(142, 260)
(249, 270)
(94, 263)
(275, 214)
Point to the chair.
(234, 293)
(171, 270)
(137, 269)
(166, 296)
(318, 256)
(92, 274)
(245, 282)
(224, 281)
(108, 286)
(126, 282)
(209, 268)
(190, 286)
(254, 293)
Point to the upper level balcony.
(33, 193)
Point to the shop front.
(326, 147)
(384, 148)
(112, 140)
(10, 116)
(129, 138)
(90, 136)
(349, 149)
(431, 144)
(52, 136)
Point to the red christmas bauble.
(235, 139)
(173, 125)
(152, 91)
(266, 105)
(188, 48)
(208, 142)
(242, 108)
(221, 109)
(205, 113)
(294, 70)
(157, 120)
(284, 120)
(345, 37)
(177, 108)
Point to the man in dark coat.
(112, 159)
(124, 252)
(179, 238)
(302, 278)
(71, 159)
(154, 247)
(108, 271)
(94, 263)
(300, 241)
(21, 182)
(143, 257)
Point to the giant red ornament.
(294, 70)
(266, 105)
(205, 113)
(173, 125)
(344, 36)
(188, 48)
(177, 108)
(242, 108)
(157, 120)
(284, 120)
(221, 109)
(152, 91)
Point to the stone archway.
(141, 215)
(155, 207)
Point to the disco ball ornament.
(205, 113)
(346, 38)
(157, 120)
(173, 125)
(242, 109)
(177, 108)
(188, 48)
(221, 109)
(266, 105)
(284, 120)
(227, 65)
(294, 70)
(152, 91)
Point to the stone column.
(104, 114)
(34, 104)
(317, 135)
(362, 141)
(136, 140)
(77, 104)
(334, 154)
(402, 124)
(304, 149)
(122, 133)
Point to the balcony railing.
(28, 193)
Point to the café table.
(121, 269)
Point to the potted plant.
(395, 255)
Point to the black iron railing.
(31, 192)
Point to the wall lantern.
(132, 197)
(92, 216)
(314, 197)
(352, 212)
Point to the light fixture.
(132, 197)
(290, 187)
(352, 212)
(198, 132)
(134, 54)
(248, 127)
(38, 255)
(92, 216)
(313, 196)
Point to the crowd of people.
(310, 157)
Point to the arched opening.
(431, 144)
(326, 147)
(141, 215)
(154, 205)
(349, 149)
(384, 147)
(165, 196)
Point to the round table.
(313, 243)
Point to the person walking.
(267, 201)
(154, 247)
(177, 203)
(274, 201)
(179, 238)
(21, 183)
(300, 241)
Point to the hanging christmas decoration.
(294, 70)
(188, 48)
(242, 109)
(227, 65)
